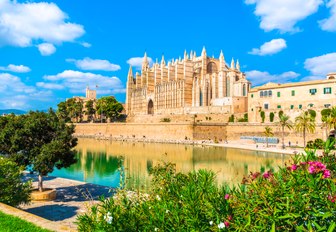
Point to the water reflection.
(98, 161)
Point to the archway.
(150, 108)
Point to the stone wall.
(182, 131)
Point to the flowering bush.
(299, 197)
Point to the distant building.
(89, 95)
(192, 85)
(292, 98)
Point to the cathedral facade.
(192, 85)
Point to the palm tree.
(305, 123)
(268, 132)
(284, 122)
(332, 117)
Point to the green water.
(99, 161)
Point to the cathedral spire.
(191, 55)
(185, 55)
(145, 63)
(232, 64)
(238, 65)
(203, 52)
(221, 61)
(130, 73)
(163, 63)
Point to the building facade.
(292, 98)
(192, 85)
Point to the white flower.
(221, 225)
(167, 211)
(149, 207)
(108, 218)
(158, 197)
(156, 229)
(211, 223)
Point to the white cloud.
(49, 85)
(77, 81)
(16, 94)
(269, 48)
(137, 62)
(283, 15)
(86, 44)
(259, 77)
(321, 65)
(91, 64)
(329, 24)
(46, 49)
(16, 68)
(23, 24)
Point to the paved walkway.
(73, 198)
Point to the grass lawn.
(10, 223)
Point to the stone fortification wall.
(188, 131)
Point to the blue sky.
(52, 50)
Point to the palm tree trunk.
(304, 137)
(40, 183)
(266, 141)
(283, 137)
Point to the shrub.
(280, 113)
(299, 197)
(312, 113)
(318, 143)
(271, 117)
(12, 191)
(262, 115)
(165, 120)
(231, 118)
(187, 202)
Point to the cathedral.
(191, 85)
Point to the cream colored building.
(292, 98)
(192, 85)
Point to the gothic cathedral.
(192, 85)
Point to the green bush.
(312, 113)
(271, 117)
(186, 202)
(299, 197)
(262, 115)
(280, 113)
(316, 144)
(165, 120)
(12, 191)
(231, 118)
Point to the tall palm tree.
(332, 117)
(268, 132)
(284, 122)
(305, 123)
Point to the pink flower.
(326, 173)
(230, 217)
(311, 169)
(227, 196)
(267, 175)
(227, 224)
(294, 167)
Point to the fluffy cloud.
(86, 44)
(77, 82)
(16, 68)
(22, 24)
(283, 15)
(269, 48)
(137, 62)
(91, 64)
(259, 78)
(46, 49)
(329, 24)
(49, 85)
(16, 94)
(321, 65)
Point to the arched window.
(261, 93)
(270, 93)
(150, 107)
(212, 68)
(244, 90)
(265, 93)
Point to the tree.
(305, 123)
(268, 133)
(284, 122)
(90, 110)
(75, 108)
(63, 112)
(109, 107)
(39, 139)
(13, 191)
(332, 117)
(325, 118)
(262, 115)
(271, 117)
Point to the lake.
(101, 161)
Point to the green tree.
(268, 133)
(332, 117)
(262, 115)
(271, 117)
(109, 107)
(325, 118)
(62, 111)
(90, 110)
(39, 139)
(13, 191)
(75, 109)
(284, 122)
(305, 123)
